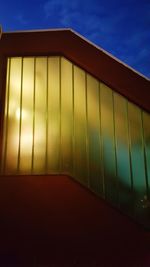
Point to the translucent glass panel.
(137, 152)
(66, 116)
(94, 137)
(146, 128)
(123, 168)
(108, 141)
(60, 119)
(12, 115)
(25, 115)
(53, 115)
(80, 127)
(40, 109)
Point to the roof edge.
(86, 40)
(109, 54)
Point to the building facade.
(71, 108)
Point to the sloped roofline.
(93, 59)
(88, 41)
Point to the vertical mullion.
(20, 116)
(6, 120)
(73, 122)
(144, 153)
(101, 143)
(60, 141)
(87, 136)
(129, 144)
(46, 150)
(115, 146)
(129, 150)
(33, 129)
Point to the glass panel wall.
(60, 119)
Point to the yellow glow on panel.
(53, 147)
(13, 124)
(60, 119)
(66, 115)
(26, 138)
(94, 142)
(40, 115)
(80, 145)
(21, 114)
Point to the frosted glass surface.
(122, 151)
(40, 115)
(146, 125)
(137, 155)
(66, 116)
(94, 140)
(60, 119)
(11, 156)
(107, 128)
(53, 157)
(80, 124)
(26, 134)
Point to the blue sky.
(121, 27)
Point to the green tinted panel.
(137, 155)
(60, 119)
(146, 125)
(122, 151)
(93, 102)
(107, 128)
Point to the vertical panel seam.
(129, 149)
(20, 117)
(6, 121)
(144, 153)
(115, 147)
(87, 136)
(46, 149)
(33, 130)
(73, 122)
(101, 140)
(60, 130)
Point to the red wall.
(52, 219)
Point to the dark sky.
(121, 27)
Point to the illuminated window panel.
(93, 131)
(137, 152)
(122, 152)
(53, 135)
(80, 124)
(39, 152)
(13, 123)
(25, 114)
(66, 116)
(108, 140)
(60, 119)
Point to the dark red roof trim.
(81, 52)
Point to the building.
(68, 107)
